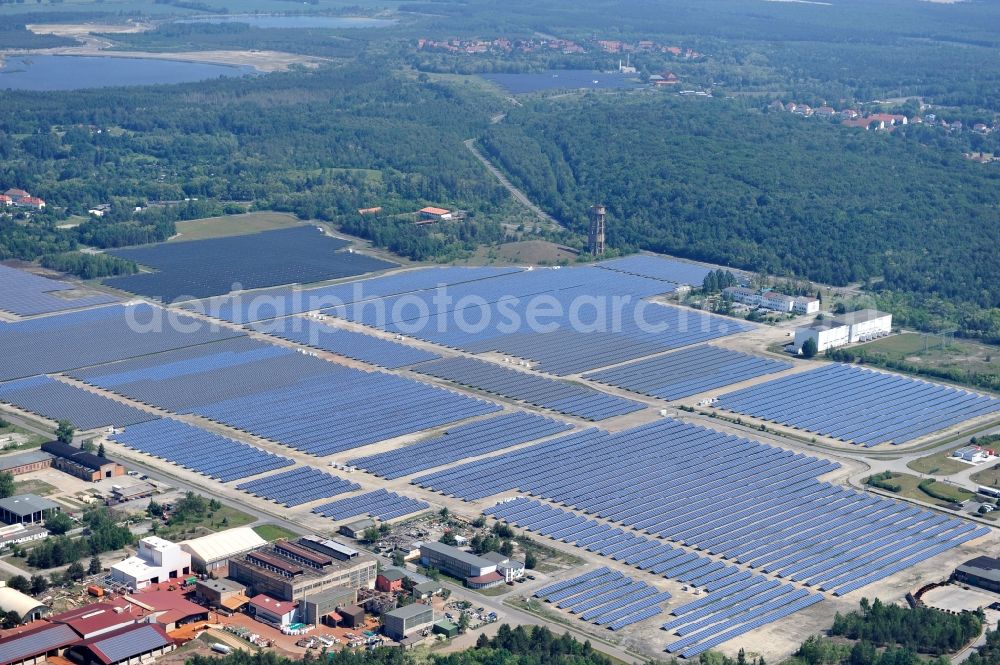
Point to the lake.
(282, 21)
(562, 79)
(75, 72)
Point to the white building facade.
(157, 560)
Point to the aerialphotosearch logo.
(435, 314)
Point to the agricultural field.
(233, 225)
(938, 464)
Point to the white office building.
(861, 326)
(157, 560)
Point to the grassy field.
(909, 488)
(34, 486)
(989, 477)
(932, 353)
(225, 517)
(271, 532)
(29, 440)
(938, 464)
(233, 225)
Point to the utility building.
(404, 621)
(982, 572)
(27, 509)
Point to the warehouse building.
(20, 463)
(851, 328)
(156, 561)
(211, 553)
(405, 621)
(326, 607)
(390, 580)
(36, 644)
(274, 612)
(290, 570)
(982, 572)
(97, 619)
(221, 594)
(27, 509)
(477, 572)
(772, 300)
(12, 600)
(79, 463)
(136, 643)
(356, 530)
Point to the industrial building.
(79, 463)
(168, 609)
(982, 572)
(327, 606)
(778, 302)
(97, 619)
(356, 529)
(274, 612)
(222, 594)
(390, 580)
(862, 326)
(404, 621)
(134, 644)
(21, 533)
(12, 600)
(27, 509)
(156, 561)
(509, 569)
(212, 553)
(36, 644)
(26, 462)
(290, 570)
(478, 573)
(425, 590)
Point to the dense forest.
(919, 629)
(728, 183)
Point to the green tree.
(64, 432)
(371, 535)
(59, 523)
(101, 452)
(75, 571)
(38, 584)
(530, 560)
(809, 348)
(463, 623)
(448, 539)
(19, 583)
(95, 565)
(7, 486)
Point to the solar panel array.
(20, 648)
(688, 372)
(561, 396)
(285, 301)
(347, 343)
(89, 337)
(691, 484)
(605, 597)
(566, 321)
(291, 398)
(298, 486)
(379, 504)
(122, 646)
(56, 400)
(201, 451)
(658, 267)
(741, 599)
(859, 405)
(458, 443)
(25, 294)
(203, 268)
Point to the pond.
(74, 72)
(303, 21)
(562, 79)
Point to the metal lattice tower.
(598, 215)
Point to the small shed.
(446, 628)
(352, 616)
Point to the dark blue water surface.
(75, 72)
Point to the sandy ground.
(91, 45)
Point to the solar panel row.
(560, 396)
(380, 504)
(291, 398)
(691, 485)
(25, 294)
(298, 486)
(62, 342)
(607, 599)
(859, 405)
(347, 343)
(56, 400)
(193, 448)
(658, 267)
(458, 443)
(736, 598)
(687, 372)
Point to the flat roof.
(75, 455)
(222, 584)
(457, 554)
(14, 460)
(224, 544)
(410, 611)
(861, 316)
(25, 504)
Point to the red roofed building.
(667, 78)
(128, 645)
(274, 612)
(29, 202)
(93, 620)
(889, 119)
(15, 193)
(5, 200)
(36, 643)
(170, 609)
(484, 581)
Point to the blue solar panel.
(458, 443)
(298, 486)
(561, 396)
(193, 448)
(56, 400)
(25, 294)
(659, 267)
(380, 504)
(347, 343)
(859, 405)
(687, 372)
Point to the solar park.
(555, 431)
(25, 294)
